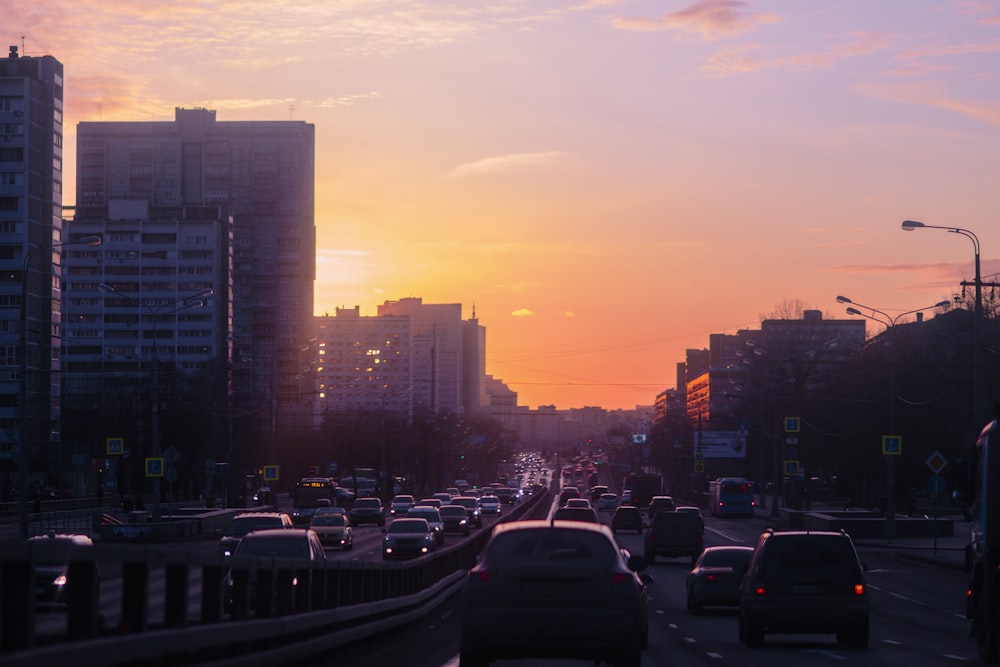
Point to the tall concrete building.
(262, 174)
(31, 235)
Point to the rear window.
(278, 548)
(813, 556)
(551, 544)
(240, 526)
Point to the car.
(401, 504)
(333, 529)
(443, 496)
(453, 491)
(607, 502)
(578, 502)
(52, 554)
(597, 491)
(455, 521)
(627, 517)
(407, 537)
(802, 581)
(433, 517)
(489, 505)
(507, 495)
(657, 503)
(247, 522)
(367, 510)
(692, 510)
(715, 578)
(330, 510)
(674, 534)
(588, 514)
(431, 502)
(567, 493)
(626, 498)
(506, 612)
(471, 506)
(297, 544)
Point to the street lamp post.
(889, 323)
(977, 322)
(195, 300)
(23, 453)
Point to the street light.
(22, 454)
(977, 322)
(889, 323)
(195, 300)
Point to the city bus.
(731, 496)
(310, 493)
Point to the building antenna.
(22, 46)
(291, 111)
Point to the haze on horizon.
(607, 182)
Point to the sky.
(604, 183)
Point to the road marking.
(828, 654)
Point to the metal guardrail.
(340, 601)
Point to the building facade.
(31, 236)
(262, 172)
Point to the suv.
(804, 582)
(657, 503)
(367, 510)
(674, 534)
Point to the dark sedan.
(554, 590)
(407, 538)
(715, 578)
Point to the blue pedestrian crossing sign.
(792, 425)
(114, 446)
(791, 468)
(271, 473)
(154, 467)
(892, 445)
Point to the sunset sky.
(608, 181)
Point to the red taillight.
(479, 575)
(759, 589)
(859, 589)
(968, 593)
(619, 578)
(710, 577)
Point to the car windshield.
(328, 520)
(366, 503)
(423, 513)
(403, 500)
(408, 526)
(811, 555)
(453, 510)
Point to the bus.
(731, 496)
(310, 493)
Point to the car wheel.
(692, 603)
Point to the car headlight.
(59, 581)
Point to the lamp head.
(910, 225)
(843, 299)
(92, 241)
(941, 304)
(854, 311)
(104, 287)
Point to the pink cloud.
(711, 20)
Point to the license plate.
(805, 589)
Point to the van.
(674, 534)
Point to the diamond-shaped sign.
(936, 462)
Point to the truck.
(643, 486)
(982, 554)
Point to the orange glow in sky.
(607, 182)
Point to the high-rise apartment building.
(31, 134)
(261, 173)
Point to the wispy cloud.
(710, 20)
(522, 312)
(347, 100)
(931, 95)
(507, 163)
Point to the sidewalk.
(947, 552)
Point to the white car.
(608, 502)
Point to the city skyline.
(605, 183)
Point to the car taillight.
(859, 589)
(480, 575)
(710, 577)
(759, 589)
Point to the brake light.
(480, 575)
(710, 577)
(759, 589)
(859, 589)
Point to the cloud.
(522, 312)
(710, 20)
(347, 100)
(569, 313)
(507, 163)
(929, 95)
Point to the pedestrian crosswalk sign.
(271, 473)
(114, 446)
(154, 467)
(892, 445)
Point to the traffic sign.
(154, 467)
(699, 466)
(892, 445)
(792, 425)
(271, 473)
(114, 446)
(791, 468)
(936, 462)
(936, 485)
(171, 455)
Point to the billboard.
(721, 444)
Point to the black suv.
(367, 510)
(804, 582)
(674, 534)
